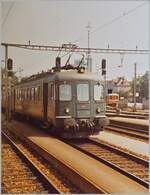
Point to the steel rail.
(129, 132)
(130, 128)
(82, 183)
(42, 177)
(112, 165)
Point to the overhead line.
(118, 18)
(112, 21)
(10, 8)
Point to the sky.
(121, 24)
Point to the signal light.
(103, 66)
(10, 73)
(103, 72)
(9, 64)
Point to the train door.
(45, 100)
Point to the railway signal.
(9, 64)
(103, 66)
(9, 67)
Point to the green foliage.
(14, 77)
(141, 86)
(144, 91)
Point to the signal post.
(8, 74)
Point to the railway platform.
(140, 124)
(132, 145)
(105, 178)
(131, 121)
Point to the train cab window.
(65, 92)
(98, 92)
(83, 92)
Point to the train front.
(80, 105)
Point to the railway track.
(125, 163)
(142, 135)
(126, 114)
(77, 167)
(17, 174)
(24, 171)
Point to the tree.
(144, 85)
(14, 77)
(141, 86)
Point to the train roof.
(64, 75)
(75, 75)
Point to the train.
(112, 99)
(67, 100)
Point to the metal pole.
(9, 98)
(6, 83)
(88, 52)
(105, 87)
(134, 93)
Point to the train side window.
(32, 93)
(25, 94)
(29, 94)
(39, 93)
(22, 94)
(16, 94)
(51, 95)
(35, 93)
(19, 94)
(98, 92)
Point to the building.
(117, 85)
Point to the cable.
(112, 21)
(10, 8)
(118, 18)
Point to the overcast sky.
(121, 24)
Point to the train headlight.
(98, 110)
(67, 110)
(81, 70)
